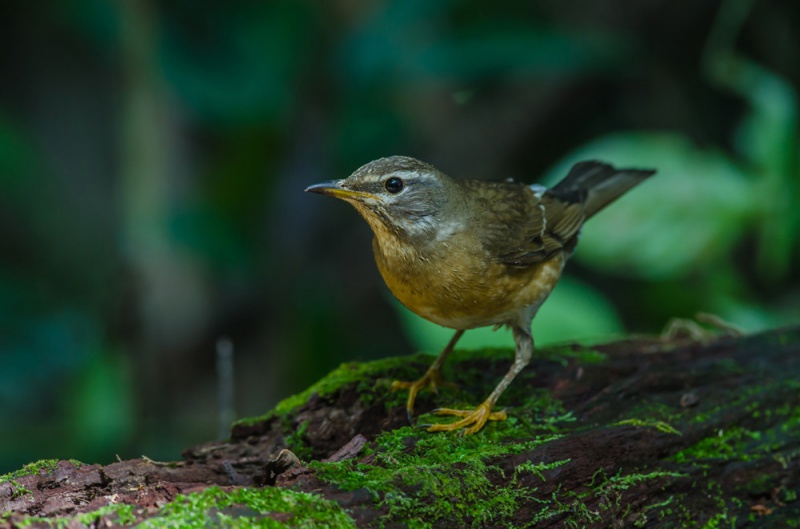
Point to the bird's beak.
(334, 188)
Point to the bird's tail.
(597, 184)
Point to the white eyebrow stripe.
(420, 175)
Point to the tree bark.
(635, 433)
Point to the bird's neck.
(418, 232)
(394, 251)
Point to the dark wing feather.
(596, 184)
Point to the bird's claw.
(471, 420)
(432, 378)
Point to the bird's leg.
(432, 377)
(473, 420)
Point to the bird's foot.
(472, 420)
(432, 378)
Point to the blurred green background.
(153, 157)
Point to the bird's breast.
(455, 284)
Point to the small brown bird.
(467, 253)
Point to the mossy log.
(635, 433)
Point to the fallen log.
(634, 433)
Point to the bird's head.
(398, 195)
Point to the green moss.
(659, 510)
(368, 377)
(720, 520)
(434, 478)
(739, 443)
(603, 500)
(213, 507)
(39, 521)
(371, 377)
(735, 401)
(246, 507)
(721, 517)
(45, 465)
(296, 440)
(626, 481)
(37, 467)
(788, 495)
(124, 515)
(419, 476)
(766, 432)
(661, 426)
(441, 477)
(609, 492)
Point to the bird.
(473, 253)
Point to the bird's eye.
(393, 185)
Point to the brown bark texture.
(635, 433)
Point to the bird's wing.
(521, 228)
(529, 225)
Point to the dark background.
(153, 157)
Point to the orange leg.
(432, 378)
(473, 420)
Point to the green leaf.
(689, 215)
